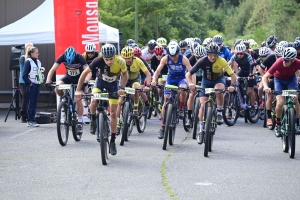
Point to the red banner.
(76, 24)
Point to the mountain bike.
(154, 101)
(67, 114)
(195, 115)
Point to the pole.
(136, 22)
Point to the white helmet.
(200, 51)
(289, 53)
(173, 48)
(90, 47)
(207, 41)
(218, 39)
(279, 50)
(264, 51)
(283, 43)
(240, 48)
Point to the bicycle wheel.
(196, 117)
(167, 124)
(172, 132)
(185, 119)
(254, 116)
(150, 99)
(231, 109)
(212, 130)
(62, 123)
(207, 130)
(101, 131)
(285, 138)
(126, 123)
(141, 121)
(291, 132)
(77, 137)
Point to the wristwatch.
(122, 87)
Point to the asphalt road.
(247, 162)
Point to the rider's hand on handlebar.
(267, 90)
(153, 83)
(250, 76)
(192, 86)
(48, 84)
(78, 94)
(147, 88)
(230, 89)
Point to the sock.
(219, 108)
(269, 113)
(190, 114)
(200, 125)
(278, 121)
(118, 120)
(181, 105)
(93, 117)
(113, 137)
(147, 103)
(80, 120)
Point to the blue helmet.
(70, 54)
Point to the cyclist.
(297, 47)
(212, 67)
(249, 50)
(75, 64)
(148, 53)
(183, 48)
(177, 66)
(89, 55)
(271, 43)
(159, 54)
(134, 65)
(284, 70)
(199, 52)
(110, 68)
(138, 53)
(162, 42)
(129, 42)
(224, 52)
(244, 61)
(264, 67)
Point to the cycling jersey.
(212, 71)
(225, 53)
(147, 55)
(88, 59)
(193, 61)
(154, 64)
(284, 73)
(75, 69)
(244, 62)
(135, 67)
(106, 73)
(176, 69)
(143, 75)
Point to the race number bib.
(74, 72)
(108, 78)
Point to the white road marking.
(203, 183)
(20, 134)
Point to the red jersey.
(285, 73)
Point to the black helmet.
(108, 50)
(263, 44)
(297, 44)
(237, 42)
(152, 44)
(297, 38)
(271, 41)
(183, 44)
(290, 44)
(212, 48)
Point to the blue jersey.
(176, 69)
(225, 53)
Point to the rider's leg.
(260, 93)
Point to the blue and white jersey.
(176, 69)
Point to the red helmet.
(137, 52)
(159, 50)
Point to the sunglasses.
(90, 53)
(212, 55)
(158, 54)
(239, 54)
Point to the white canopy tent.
(20, 32)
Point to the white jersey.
(271, 51)
(147, 55)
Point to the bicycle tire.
(62, 138)
(196, 117)
(273, 114)
(124, 130)
(101, 130)
(213, 130)
(172, 132)
(150, 99)
(229, 104)
(185, 118)
(77, 137)
(291, 135)
(207, 130)
(167, 125)
(254, 118)
(285, 138)
(141, 123)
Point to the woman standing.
(33, 78)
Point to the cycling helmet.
(161, 41)
(279, 50)
(137, 52)
(130, 41)
(254, 45)
(133, 45)
(198, 40)
(212, 48)
(183, 44)
(189, 41)
(271, 41)
(159, 50)
(297, 38)
(297, 45)
(173, 40)
(251, 41)
(238, 41)
(199, 51)
(127, 52)
(207, 41)
(264, 51)
(218, 39)
(194, 45)
(263, 44)
(289, 53)
(246, 43)
(70, 54)
(240, 48)
(90, 47)
(283, 43)
(173, 48)
(152, 44)
(290, 44)
(108, 50)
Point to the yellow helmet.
(127, 52)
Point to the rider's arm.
(82, 78)
(161, 65)
(124, 78)
(199, 65)
(144, 70)
(51, 72)
(186, 62)
(251, 63)
(265, 78)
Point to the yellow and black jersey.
(212, 71)
(88, 59)
(107, 73)
(135, 67)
